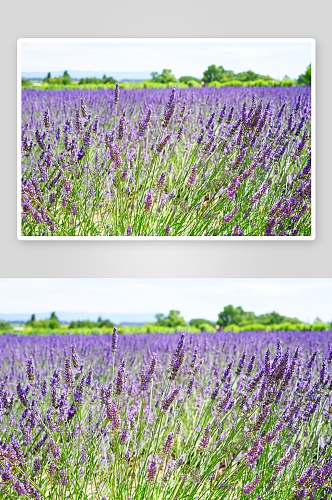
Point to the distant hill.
(77, 74)
(130, 318)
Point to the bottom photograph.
(165, 389)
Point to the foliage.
(173, 320)
(5, 326)
(31, 321)
(287, 82)
(251, 76)
(193, 83)
(165, 76)
(97, 81)
(320, 326)
(150, 84)
(206, 327)
(91, 324)
(237, 316)
(60, 80)
(219, 74)
(52, 323)
(305, 79)
(190, 81)
(231, 315)
(275, 318)
(279, 327)
(25, 82)
(199, 321)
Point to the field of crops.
(167, 162)
(164, 417)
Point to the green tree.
(251, 76)
(25, 82)
(187, 79)
(217, 74)
(31, 321)
(165, 76)
(105, 79)
(305, 79)
(60, 80)
(199, 321)
(108, 79)
(235, 316)
(173, 320)
(212, 74)
(91, 324)
(5, 326)
(66, 80)
(105, 322)
(53, 322)
(275, 318)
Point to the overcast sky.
(204, 298)
(275, 59)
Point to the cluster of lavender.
(219, 416)
(193, 162)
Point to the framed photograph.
(205, 138)
(109, 391)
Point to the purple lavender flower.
(205, 439)
(116, 94)
(148, 202)
(68, 374)
(250, 487)
(113, 415)
(169, 110)
(120, 381)
(163, 143)
(152, 471)
(192, 176)
(114, 340)
(47, 119)
(122, 125)
(167, 445)
(31, 371)
(63, 477)
(74, 356)
(161, 181)
(169, 400)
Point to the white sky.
(205, 298)
(276, 59)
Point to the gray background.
(155, 18)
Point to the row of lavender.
(146, 162)
(208, 416)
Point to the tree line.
(53, 323)
(213, 74)
(228, 317)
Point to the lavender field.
(205, 417)
(230, 161)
